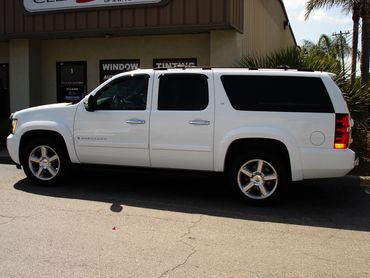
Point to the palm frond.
(312, 5)
(292, 57)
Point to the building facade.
(59, 50)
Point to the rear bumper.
(321, 163)
(12, 144)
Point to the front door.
(117, 132)
(182, 121)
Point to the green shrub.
(358, 102)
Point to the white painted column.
(24, 74)
(19, 74)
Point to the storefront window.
(71, 81)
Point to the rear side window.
(277, 93)
(183, 92)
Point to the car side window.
(126, 93)
(183, 92)
(277, 93)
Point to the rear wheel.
(45, 161)
(258, 177)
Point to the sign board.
(71, 81)
(175, 62)
(55, 5)
(109, 68)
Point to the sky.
(322, 21)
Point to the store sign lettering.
(109, 68)
(175, 62)
(55, 5)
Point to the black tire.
(52, 171)
(273, 165)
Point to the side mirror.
(90, 105)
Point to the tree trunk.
(365, 38)
(356, 26)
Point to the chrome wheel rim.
(257, 179)
(44, 163)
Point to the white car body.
(165, 139)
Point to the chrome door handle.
(135, 122)
(199, 122)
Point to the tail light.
(342, 131)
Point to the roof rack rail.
(176, 67)
(304, 69)
(284, 67)
(203, 67)
(281, 67)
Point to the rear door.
(182, 120)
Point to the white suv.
(263, 128)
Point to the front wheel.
(45, 161)
(258, 177)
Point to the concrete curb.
(365, 182)
(4, 157)
(6, 160)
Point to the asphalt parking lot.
(129, 223)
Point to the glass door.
(71, 81)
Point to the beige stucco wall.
(93, 50)
(226, 48)
(4, 52)
(35, 73)
(264, 27)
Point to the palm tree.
(353, 6)
(356, 8)
(365, 40)
(336, 48)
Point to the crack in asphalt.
(192, 251)
(333, 235)
(318, 257)
(11, 218)
(178, 265)
(76, 210)
(6, 222)
(153, 217)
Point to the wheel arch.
(274, 146)
(42, 133)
